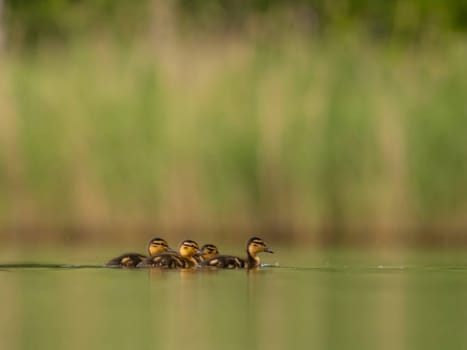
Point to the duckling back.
(225, 262)
(164, 261)
(126, 260)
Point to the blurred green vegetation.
(330, 122)
(402, 20)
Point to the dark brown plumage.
(126, 260)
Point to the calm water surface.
(327, 300)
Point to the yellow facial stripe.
(190, 245)
(210, 249)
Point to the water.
(325, 301)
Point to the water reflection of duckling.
(208, 251)
(188, 251)
(254, 246)
(155, 246)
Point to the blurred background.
(314, 122)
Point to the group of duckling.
(189, 255)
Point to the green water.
(323, 301)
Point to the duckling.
(126, 260)
(207, 252)
(254, 246)
(186, 257)
(155, 246)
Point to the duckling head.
(157, 246)
(209, 251)
(256, 245)
(189, 249)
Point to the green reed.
(331, 140)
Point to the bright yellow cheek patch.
(154, 250)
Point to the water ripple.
(277, 267)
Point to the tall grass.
(336, 140)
